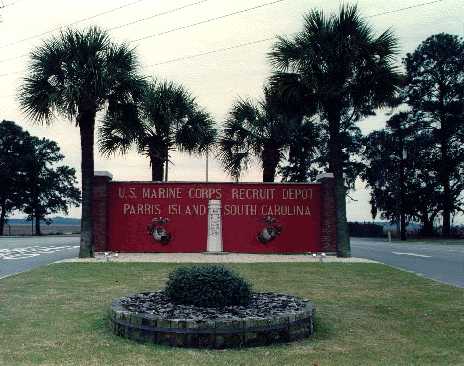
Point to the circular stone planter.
(270, 318)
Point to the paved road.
(19, 254)
(444, 263)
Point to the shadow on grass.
(323, 330)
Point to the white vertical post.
(214, 226)
(166, 170)
(207, 163)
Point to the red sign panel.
(173, 217)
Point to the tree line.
(330, 75)
(415, 166)
(306, 123)
(31, 181)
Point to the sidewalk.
(216, 258)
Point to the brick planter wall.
(218, 334)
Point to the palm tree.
(264, 130)
(304, 153)
(336, 66)
(77, 74)
(168, 118)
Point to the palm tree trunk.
(445, 181)
(2, 217)
(445, 170)
(446, 231)
(157, 167)
(402, 197)
(270, 160)
(427, 226)
(403, 226)
(38, 232)
(336, 167)
(86, 122)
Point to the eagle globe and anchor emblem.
(271, 231)
(157, 229)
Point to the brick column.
(328, 214)
(101, 182)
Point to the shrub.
(207, 286)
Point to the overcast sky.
(216, 79)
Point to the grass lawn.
(367, 314)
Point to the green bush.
(207, 286)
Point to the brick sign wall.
(173, 217)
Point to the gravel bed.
(213, 258)
(262, 305)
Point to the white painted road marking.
(30, 252)
(413, 254)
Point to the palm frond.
(165, 116)
(254, 128)
(337, 60)
(120, 129)
(197, 134)
(78, 70)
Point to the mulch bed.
(262, 305)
